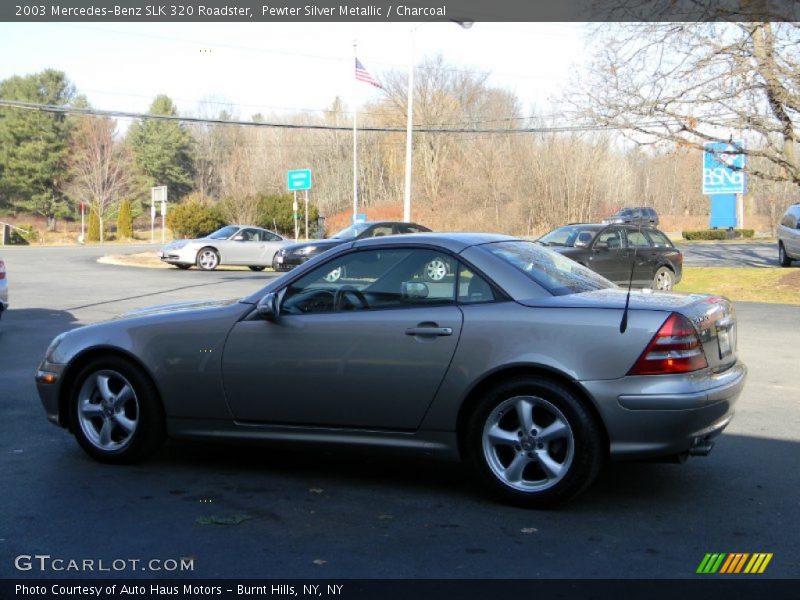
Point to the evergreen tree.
(162, 150)
(125, 220)
(33, 144)
(93, 229)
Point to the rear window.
(558, 274)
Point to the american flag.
(363, 75)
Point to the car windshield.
(625, 212)
(224, 233)
(350, 233)
(567, 236)
(558, 274)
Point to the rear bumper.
(660, 416)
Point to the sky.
(282, 68)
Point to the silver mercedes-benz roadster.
(530, 367)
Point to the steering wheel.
(342, 292)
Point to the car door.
(792, 241)
(643, 256)
(332, 359)
(245, 248)
(608, 255)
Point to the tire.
(664, 279)
(116, 426)
(544, 472)
(183, 267)
(783, 258)
(207, 259)
(435, 270)
(255, 268)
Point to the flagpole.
(355, 137)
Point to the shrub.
(93, 229)
(275, 211)
(717, 234)
(125, 220)
(194, 218)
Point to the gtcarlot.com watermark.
(45, 563)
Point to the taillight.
(2, 270)
(676, 348)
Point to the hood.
(329, 243)
(176, 307)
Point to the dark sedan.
(296, 254)
(611, 251)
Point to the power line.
(50, 108)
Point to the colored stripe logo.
(734, 562)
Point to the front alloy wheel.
(115, 413)
(533, 442)
(207, 259)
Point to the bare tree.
(690, 83)
(99, 166)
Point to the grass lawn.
(749, 284)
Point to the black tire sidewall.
(150, 431)
(589, 453)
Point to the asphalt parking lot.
(730, 254)
(305, 512)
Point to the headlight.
(306, 250)
(51, 349)
(176, 245)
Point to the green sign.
(299, 179)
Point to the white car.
(3, 288)
(232, 245)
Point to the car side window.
(250, 235)
(407, 229)
(659, 239)
(380, 230)
(472, 288)
(371, 280)
(636, 239)
(268, 236)
(610, 238)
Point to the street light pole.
(410, 117)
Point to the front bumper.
(48, 383)
(666, 415)
(288, 262)
(178, 257)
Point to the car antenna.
(623, 324)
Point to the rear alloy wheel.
(436, 270)
(115, 413)
(533, 442)
(207, 259)
(256, 268)
(783, 258)
(663, 280)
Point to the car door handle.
(433, 331)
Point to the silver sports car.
(232, 245)
(522, 362)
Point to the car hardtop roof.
(371, 223)
(455, 242)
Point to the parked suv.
(641, 215)
(789, 236)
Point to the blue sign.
(723, 211)
(360, 218)
(723, 165)
(299, 179)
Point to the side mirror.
(268, 307)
